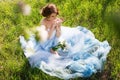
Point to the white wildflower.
(26, 10)
(42, 33)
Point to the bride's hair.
(49, 9)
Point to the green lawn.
(102, 17)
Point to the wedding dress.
(84, 56)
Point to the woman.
(51, 22)
(80, 53)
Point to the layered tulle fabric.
(84, 56)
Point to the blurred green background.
(102, 17)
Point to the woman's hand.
(58, 22)
(54, 52)
(58, 27)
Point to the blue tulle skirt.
(84, 56)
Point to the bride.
(67, 52)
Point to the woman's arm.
(58, 27)
(58, 31)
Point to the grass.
(100, 16)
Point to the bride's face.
(52, 16)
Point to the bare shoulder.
(43, 21)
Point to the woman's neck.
(48, 19)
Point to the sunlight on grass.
(93, 14)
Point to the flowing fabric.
(84, 56)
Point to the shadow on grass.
(112, 18)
